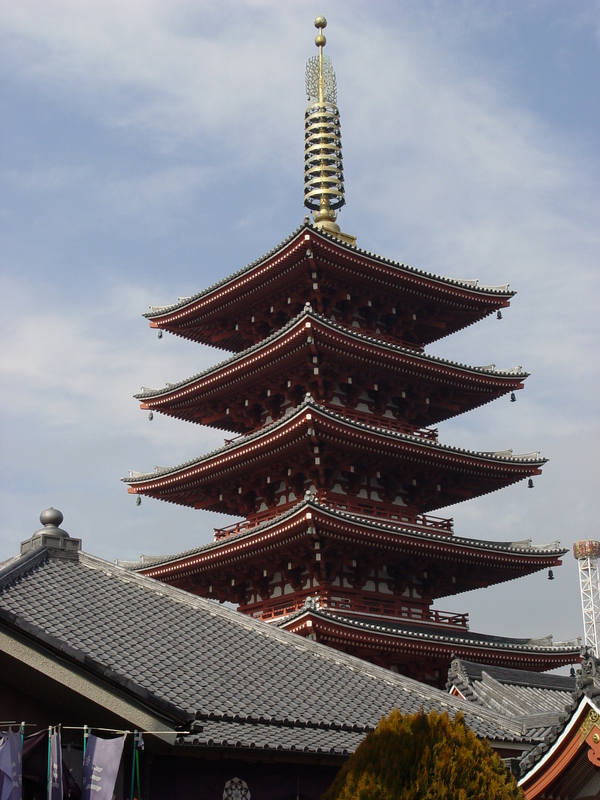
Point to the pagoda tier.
(344, 461)
(348, 562)
(364, 586)
(425, 652)
(372, 380)
(395, 302)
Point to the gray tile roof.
(251, 735)
(469, 285)
(471, 675)
(540, 701)
(245, 681)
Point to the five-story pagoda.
(336, 464)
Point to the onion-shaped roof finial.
(323, 167)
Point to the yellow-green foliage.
(424, 756)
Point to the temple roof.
(493, 456)
(308, 314)
(495, 467)
(538, 699)
(470, 285)
(541, 691)
(462, 638)
(544, 650)
(468, 300)
(189, 658)
(265, 354)
(459, 544)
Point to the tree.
(424, 756)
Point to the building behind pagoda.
(335, 465)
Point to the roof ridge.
(467, 283)
(20, 565)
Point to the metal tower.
(587, 554)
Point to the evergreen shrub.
(424, 756)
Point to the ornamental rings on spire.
(323, 168)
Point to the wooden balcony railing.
(428, 617)
(393, 515)
(390, 423)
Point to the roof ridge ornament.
(323, 167)
(52, 536)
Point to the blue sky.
(151, 148)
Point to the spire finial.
(323, 168)
(321, 41)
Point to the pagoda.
(334, 464)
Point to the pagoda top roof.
(308, 314)
(501, 456)
(401, 628)
(310, 503)
(468, 286)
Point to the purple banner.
(101, 767)
(55, 782)
(11, 767)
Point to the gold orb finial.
(320, 40)
(320, 22)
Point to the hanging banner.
(11, 767)
(55, 782)
(35, 761)
(101, 767)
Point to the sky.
(151, 148)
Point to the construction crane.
(587, 554)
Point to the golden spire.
(323, 168)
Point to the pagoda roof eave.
(468, 287)
(518, 550)
(493, 457)
(467, 638)
(299, 321)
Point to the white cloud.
(77, 367)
